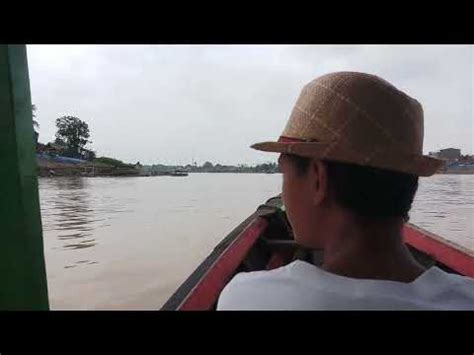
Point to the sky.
(172, 104)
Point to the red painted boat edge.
(445, 252)
(202, 297)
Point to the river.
(128, 243)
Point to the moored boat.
(264, 241)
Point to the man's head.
(352, 149)
(318, 193)
(360, 119)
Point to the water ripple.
(72, 212)
(444, 204)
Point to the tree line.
(209, 167)
(73, 135)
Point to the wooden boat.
(264, 241)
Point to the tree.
(92, 155)
(207, 165)
(72, 133)
(35, 123)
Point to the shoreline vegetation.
(103, 166)
(68, 156)
(49, 166)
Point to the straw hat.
(357, 118)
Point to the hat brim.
(420, 165)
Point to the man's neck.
(372, 250)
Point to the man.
(351, 154)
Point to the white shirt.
(303, 286)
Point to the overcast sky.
(170, 104)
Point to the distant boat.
(178, 173)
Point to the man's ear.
(319, 181)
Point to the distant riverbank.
(48, 168)
(457, 172)
(457, 168)
(52, 167)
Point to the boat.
(170, 173)
(178, 173)
(264, 241)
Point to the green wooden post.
(23, 283)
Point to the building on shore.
(456, 163)
(449, 154)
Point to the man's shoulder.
(303, 286)
(253, 287)
(244, 279)
(460, 283)
(438, 275)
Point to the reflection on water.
(74, 214)
(128, 243)
(69, 212)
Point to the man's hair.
(367, 192)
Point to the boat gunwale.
(190, 302)
(183, 292)
(179, 297)
(443, 251)
(442, 240)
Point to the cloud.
(173, 103)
